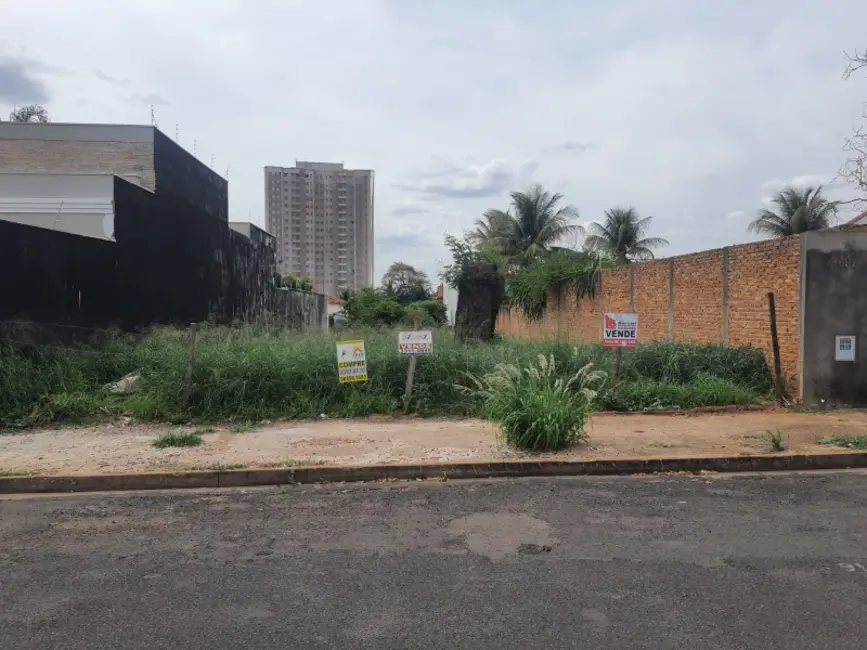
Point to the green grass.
(847, 442)
(190, 439)
(247, 375)
(775, 437)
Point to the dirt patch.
(119, 448)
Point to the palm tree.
(533, 224)
(30, 113)
(623, 236)
(799, 210)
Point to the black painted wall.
(835, 303)
(180, 173)
(171, 263)
(55, 277)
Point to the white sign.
(415, 343)
(620, 330)
(844, 348)
(351, 361)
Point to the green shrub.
(537, 409)
(652, 395)
(679, 363)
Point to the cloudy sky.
(692, 111)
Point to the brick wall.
(717, 296)
(119, 158)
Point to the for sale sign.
(351, 361)
(415, 343)
(621, 330)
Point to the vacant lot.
(254, 374)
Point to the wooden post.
(191, 361)
(410, 375)
(779, 389)
(618, 359)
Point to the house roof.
(860, 220)
(334, 300)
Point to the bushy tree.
(406, 284)
(372, 307)
(426, 312)
(31, 113)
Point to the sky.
(694, 113)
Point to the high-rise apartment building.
(322, 217)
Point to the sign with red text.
(620, 331)
(415, 343)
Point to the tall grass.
(250, 374)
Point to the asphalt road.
(668, 562)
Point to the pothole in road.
(501, 535)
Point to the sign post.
(351, 361)
(619, 331)
(414, 345)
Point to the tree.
(426, 312)
(799, 210)
(623, 236)
(30, 113)
(854, 170)
(372, 307)
(406, 284)
(534, 223)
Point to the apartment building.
(322, 217)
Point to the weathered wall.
(835, 305)
(197, 267)
(717, 296)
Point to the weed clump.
(537, 409)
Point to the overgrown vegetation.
(847, 442)
(530, 286)
(405, 297)
(537, 408)
(250, 375)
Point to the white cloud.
(669, 105)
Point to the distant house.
(858, 223)
(449, 297)
(335, 305)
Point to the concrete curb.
(290, 476)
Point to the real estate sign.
(620, 331)
(351, 361)
(415, 343)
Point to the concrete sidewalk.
(402, 441)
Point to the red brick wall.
(651, 298)
(697, 311)
(754, 270)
